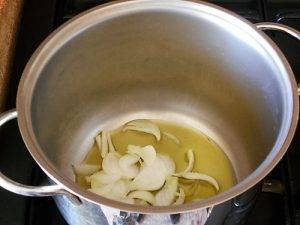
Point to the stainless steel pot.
(185, 61)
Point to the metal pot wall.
(184, 61)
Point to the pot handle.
(282, 28)
(27, 190)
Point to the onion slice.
(172, 137)
(104, 144)
(111, 147)
(150, 178)
(110, 164)
(103, 190)
(127, 200)
(202, 177)
(145, 126)
(98, 142)
(101, 178)
(128, 167)
(120, 188)
(140, 202)
(143, 195)
(85, 169)
(116, 191)
(167, 194)
(181, 197)
(169, 164)
(191, 160)
(147, 153)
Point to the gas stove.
(279, 201)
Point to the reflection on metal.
(18, 188)
(273, 186)
(287, 15)
(27, 190)
(242, 206)
(282, 28)
(279, 27)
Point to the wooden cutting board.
(10, 15)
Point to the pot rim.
(71, 28)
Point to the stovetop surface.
(40, 18)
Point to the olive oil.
(209, 158)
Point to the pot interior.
(186, 65)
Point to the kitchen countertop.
(9, 21)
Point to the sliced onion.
(103, 190)
(150, 178)
(116, 191)
(128, 167)
(143, 126)
(85, 169)
(191, 160)
(111, 147)
(181, 197)
(169, 164)
(98, 142)
(96, 184)
(101, 178)
(167, 194)
(201, 176)
(110, 164)
(191, 189)
(172, 137)
(143, 195)
(104, 144)
(140, 202)
(87, 179)
(120, 188)
(127, 200)
(147, 153)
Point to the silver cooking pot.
(184, 61)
